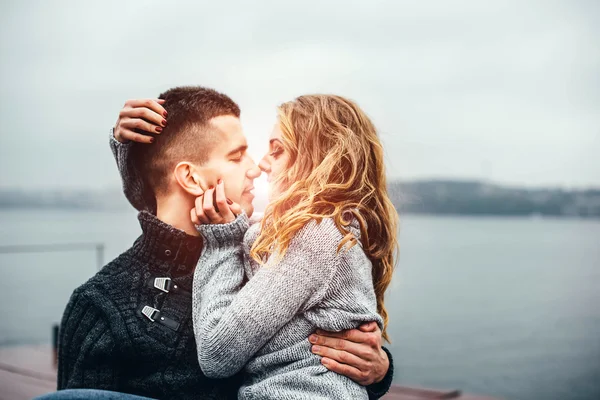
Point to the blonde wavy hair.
(335, 166)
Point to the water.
(504, 307)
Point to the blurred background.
(490, 117)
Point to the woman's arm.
(142, 115)
(232, 323)
(133, 183)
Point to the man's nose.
(253, 172)
(264, 166)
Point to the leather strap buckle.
(154, 315)
(163, 284)
(148, 312)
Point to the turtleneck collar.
(165, 247)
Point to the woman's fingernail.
(219, 181)
(316, 349)
(151, 140)
(312, 338)
(158, 129)
(164, 122)
(165, 114)
(211, 187)
(229, 201)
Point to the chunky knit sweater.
(264, 324)
(129, 328)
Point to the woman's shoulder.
(321, 231)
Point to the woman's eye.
(276, 152)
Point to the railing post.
(99, 256)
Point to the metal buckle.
(162, 284)
(149, 312)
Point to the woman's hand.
(140, 115)
(213, 207)
(355, 353)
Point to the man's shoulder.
(117, 273)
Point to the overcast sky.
(507, 91)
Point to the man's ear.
(189, 179)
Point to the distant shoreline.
(427, 197)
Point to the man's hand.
(140, 115)
(355, 353)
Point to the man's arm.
(86, 348)
(357, 354)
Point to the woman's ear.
(188, 179)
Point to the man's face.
(230, 162)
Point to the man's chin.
(249, 210)
(246, 203)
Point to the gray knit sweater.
(264, 324)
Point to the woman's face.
(274, 162)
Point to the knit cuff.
(379, 389)
(115, 142)
(220, 235)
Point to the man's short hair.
(187, 136)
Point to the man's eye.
(237, 157)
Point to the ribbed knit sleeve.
(378, 390)
(86, 352)
(137, 192)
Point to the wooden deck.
(30, 371)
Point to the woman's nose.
(264, 166)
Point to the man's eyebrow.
(239, 149)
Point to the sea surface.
(508, 307)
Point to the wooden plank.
(18, 387)
(33, 361)
(30, 371)
(423, 393)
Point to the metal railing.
(47, 248)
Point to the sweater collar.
(165, 247)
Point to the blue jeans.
(89, 394)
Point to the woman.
(322, 257)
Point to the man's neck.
(175, 211)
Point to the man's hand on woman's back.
(355, 353)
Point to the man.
(129, 329)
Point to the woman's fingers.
(235, 208)
(140, 125)
(151, 104)
(194, 216)
(199, 210)
(222, 204)
(208, 207)
(144, 114)
(125, 135)
(213, 207)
